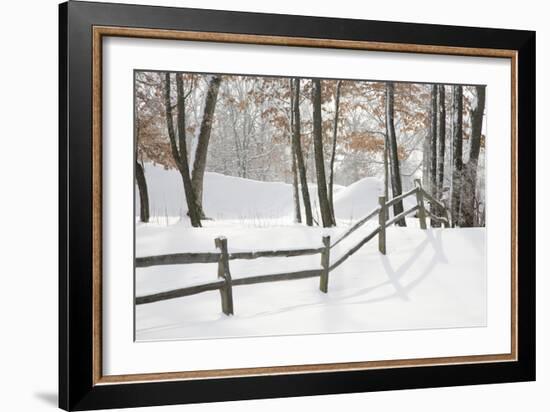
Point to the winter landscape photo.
(270, 206)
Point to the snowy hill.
(225, 197)
(358, 199)
(229, 197)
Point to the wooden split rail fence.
(225, 283)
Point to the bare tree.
(468, 195)
(143, 194)
(142, 184)
(295, 186)
(432, 187)
(180, 153)
(333, 153)
(324, 205)
(427, 148)
(441, 127)
(440, 138)
(199, 164)
(386, 170)
(296, 141)
(457, 154)
(393, 153)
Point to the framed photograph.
(256, 205)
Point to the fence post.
(325, 263)
(382, 224)
(447, 224)
(420, 202)
(226, 291)
(449, 217)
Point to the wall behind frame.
(28, 176)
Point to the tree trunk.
(333, 153)
(199, 164)
(296, 141)
(433, 141)
(441, 126)
(386, 170)
(457, 155)
(427, 150)
(468, 194)
(295, 187)
(433, 150)
(394, 158)
(324, 205)
(143, 194)
(141, 180)
(180, 154)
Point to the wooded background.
(314, 133)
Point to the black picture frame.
(77, 389)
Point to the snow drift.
(230, 197)
(224, 197)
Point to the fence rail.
(432, 199)
(274, 253)
(396, 199)
(354, 249)
(187, 258)
(176, 259)
(181, 292)
(439, 219)
(401, 215)
(357, 225)
(225, 283)
(252, 280)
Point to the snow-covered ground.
(428, 279)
